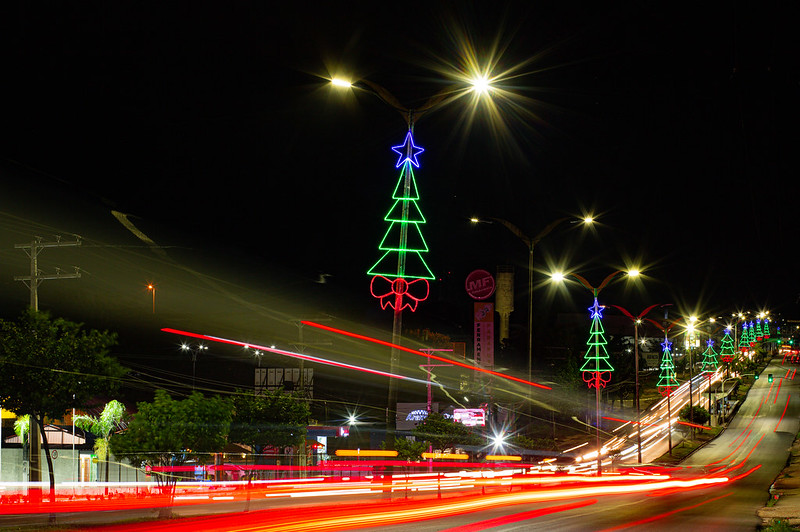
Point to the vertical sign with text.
(484, 334)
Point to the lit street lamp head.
(481, 84)
(339, 82)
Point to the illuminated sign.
(471, 417)
(480, 284)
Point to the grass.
(687, 446)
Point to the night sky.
(215, 129)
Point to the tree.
(273, 418)
(49, 365)
(443, 433)
(699, 414)
(535, 444)
(103, 428)
(409, 450)
(168, 433)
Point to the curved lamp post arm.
(388, 98)
(585, 283)
(642, 314)
(513, 228)
(662, 328)
(547, 229)
(382, 94)
(608, 280)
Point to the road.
(737, 469)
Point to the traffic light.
(769, 378)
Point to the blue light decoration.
(597, 369)
(400, 276)
(407, 151)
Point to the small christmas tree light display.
(666, 379)
(709, 364)
(597, 369)
(727, 352)
(400, 276)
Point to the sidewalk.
(785, 492)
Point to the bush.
(699, 416)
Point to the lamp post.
(193, 351)
(637, 320)
(152, 288)
(596, 367)
(530, 243)
(403, 288)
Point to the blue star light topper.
(709, 343)
(407, 151)
(666, 344)
(596, 310)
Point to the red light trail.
(288, 354)
(784, 413)
(667, 514)
(426, 355)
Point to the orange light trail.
(426, 355)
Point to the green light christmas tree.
(597, 369)
(403, 243)
(727, 352)
(710, 363)
(400, 276)
(759, 332)
(751, 335)
(666, 379)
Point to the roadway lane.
(756, 441)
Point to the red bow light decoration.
(409, 294)
(596, 379)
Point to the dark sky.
(674, 122)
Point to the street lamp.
(194, 351)
(152, 288)
(398, 285)
(530, 243)
(596, 370)
(690, 339)
(637, 320)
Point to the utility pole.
(33, 281)
(307, 395)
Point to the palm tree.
(102, 427)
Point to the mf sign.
(480, 284)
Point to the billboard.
(409, 415)
(470, 417)
(286, 378)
